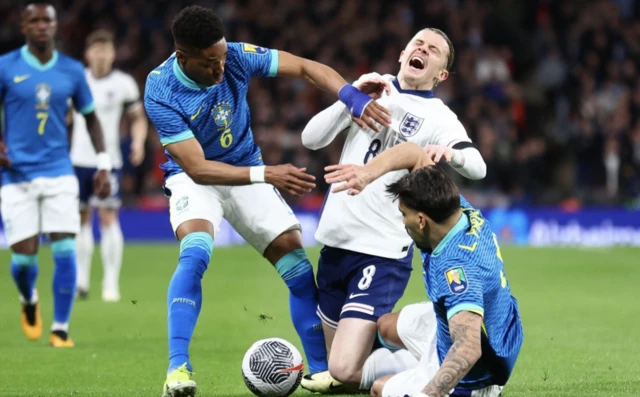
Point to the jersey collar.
(427, 94)
(187, 82)
(462, 224)
(34, 62)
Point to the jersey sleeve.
(82, 97)
(169, 123)
(449, 131)
(256, 61)
(460, 286)
(131, 92)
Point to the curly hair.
(197, 27)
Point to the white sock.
(60, 327)
(383, 362)
(84, 253)
(111, 247)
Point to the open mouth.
(416, 63)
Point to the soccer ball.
(272, 367)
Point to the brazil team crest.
(457, 280)
(43, 93)
(221, 113)
(182, 203)
(254, 49)
(410, 124)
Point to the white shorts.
(257, 212)
(40, 206)
(417, 327)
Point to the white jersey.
(370, 222)
(112, 94)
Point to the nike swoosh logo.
(356, 295)
(197, 113)
(298, 367)
(334, 386)
(20, 79)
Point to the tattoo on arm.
(465, 329)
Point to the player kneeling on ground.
(468, 340)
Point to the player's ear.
(181, 56)
(443, 75)
(400, 57)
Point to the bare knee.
(108, 217)
(345, 371)
(388, 329)
(283, 244)
(378, 385)
(27, 246)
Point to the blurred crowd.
(548, 90)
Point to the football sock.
(64, 281)
(297, 273)
(111, 247)
(84, 245)
(184, 298)
(384, 362)
(24, 269)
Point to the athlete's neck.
(100, 73)
(439, 230)
(407, 86)
(42, 53)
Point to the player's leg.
(61, 220)
(195, 215)
(21, 219)
(270, 226)
(84, 239)
(111, 240)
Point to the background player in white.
(366, 262)
(115, 94)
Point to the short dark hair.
(197, 28)
(428, 190)
(99, 36)
(452, 52)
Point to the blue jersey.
(35, 98)
(218, 116)
(465, 272)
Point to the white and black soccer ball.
(272, 367)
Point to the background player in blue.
(197, 101)
(469, 338)
(39, 191)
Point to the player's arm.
(366, 111)
(139, 128)
(323, 128)
(406, 156)
(465, 328)
(69, 123)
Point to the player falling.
(39, 191)
(115, 93)
(197, 101)
(468, 340)
(365, 264)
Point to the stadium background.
(548, 90)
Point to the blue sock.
(24, 269)
(64, 279)
(185, 295)
(297, 273)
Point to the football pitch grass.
(580, 310)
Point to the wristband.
(355, 99)
(104, 162)
(256, 174)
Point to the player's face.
(205, 67)
(424, 60)
(416, 225)
(39, 24)
(100, 57)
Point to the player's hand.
(137, 153)
(101, 184)
(374, 115)
(289, 178)
(355, 178)
(437, 152)
(373, 85)
(4, 159)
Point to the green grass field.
(579, 307)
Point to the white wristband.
(256, 174)
(104, 162)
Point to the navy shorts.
(354, 285)
(87, 198)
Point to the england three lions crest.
(222, 114)
(410, 124)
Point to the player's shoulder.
(160, 82)
(71, 64)
(120, 77)
(10, 57)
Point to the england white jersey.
(370, 222)
(112, 94)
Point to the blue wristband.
(355, 99)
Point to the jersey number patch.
(367, 276)
(374, 148)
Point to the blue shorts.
(88, 199)
(354, 285)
